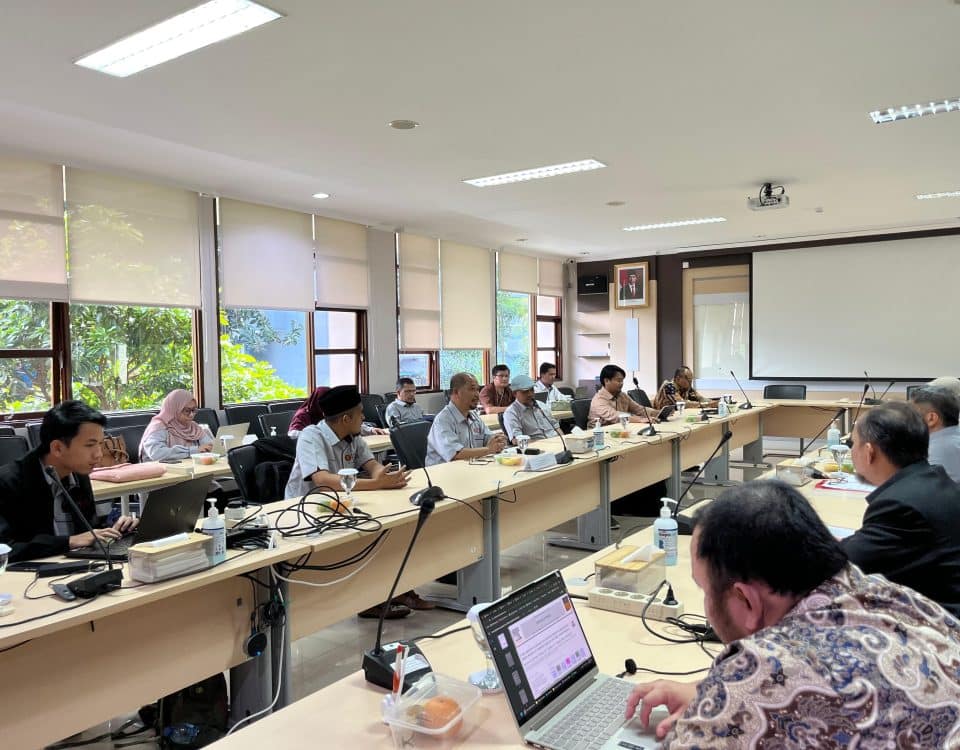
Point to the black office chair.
(581, 411)
(7, 432)
(246, 413)
(791, 391)
(541, 396)
(388, 397)
(410, 442)
(120, 421)
(209, 418)
(382, 414)
(262, 469)
(286, 404)
(640, 396)
(279, 421)
(370, 402)
(12, 447)
(33, 434)
(503, 427)
(566, 390)
(132, 436)
(911, 389)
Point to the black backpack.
(194, 716)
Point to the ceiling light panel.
(932, 196)
(199, 27)
(537, 173)
(671, 224)
(910, 112)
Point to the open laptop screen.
(537, 643)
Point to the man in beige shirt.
(610, 401)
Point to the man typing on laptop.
(35, 519)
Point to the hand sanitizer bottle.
(665, 532)
(214, 526)
(722, 409)
(597, 435)
(833, 434)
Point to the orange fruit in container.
(334, 505)
(439, 711)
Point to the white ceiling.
(691, 104)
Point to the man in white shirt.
(940, 409)
(526, 415)
(548, 375)
(405, 408)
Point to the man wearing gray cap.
(526, 415)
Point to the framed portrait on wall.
(632, 280)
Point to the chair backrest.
(503, 426)
(581, 410)
(382, 415)
(132, 436)
(566, 390)
(410, 442)
(33, 434)
(12, 447)
(785, 391)
(287, 404)
(7, 432)
(243, 461)
(541, 396)
(911, 389)
(246, 413)
(640, 396)
(370, 402)
(280, 420)
(119, 421)
(209, 418)
(446, 397)
(388, 397)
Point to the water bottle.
(833, 434)
(597, 435)
(722, 409)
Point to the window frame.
(360, 352)
(557, 350)
(59, 355)
(433, 368)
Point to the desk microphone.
(685, 523)
(885, 390)
(871, 401)
(97, 583)
(746, 404)
(378, 663)
(848, 442)
(651, 430)
(564, 456)
(822, 430)
(431, 492)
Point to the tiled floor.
(331, 654)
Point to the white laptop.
(557, 695)
(234, 433)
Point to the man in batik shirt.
(818, 654)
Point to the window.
(29, 383)
(340, 348)
(262, 355)
(549, 333)
(474, 361)
(420, 367)
(514, 339)
(126, 357)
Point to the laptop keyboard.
(592, 721)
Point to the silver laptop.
(234, 434)
(558, 697)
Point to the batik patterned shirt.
(860, 662)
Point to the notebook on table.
(558, 697)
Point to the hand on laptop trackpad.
(633, 735)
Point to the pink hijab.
(177, 432)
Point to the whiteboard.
(891, 308)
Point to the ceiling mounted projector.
(770, 196)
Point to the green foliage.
(246, 378)
(26, 384)
(453, 361)
(253, 331)
(514, 341)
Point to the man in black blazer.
(632, 289)
(35, 519)
(911, 529)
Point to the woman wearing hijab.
(174, 433)
(310, 412)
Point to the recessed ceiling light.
(616, 203)
(538, 173)
(321, 196)
(584, 252)
(403, 124)
(931, 196)
(908, 112)
(670, 224)
(198, 27)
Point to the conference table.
(613, 637)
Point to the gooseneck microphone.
(887, 389)
(565, 456)
(431, 492)
(871, 401)
(823, 429)
(97, 583)
(651, 430)
(378, 662)
(684, 524)
(746, 403)
(866, 387)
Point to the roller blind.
(419, 292)
(342, 275)
(467, 294)
(551, 277)
(266, 257)
(518, 273)
(132, 242)
(33, 253)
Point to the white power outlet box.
(632, 604)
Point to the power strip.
(628, 603)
